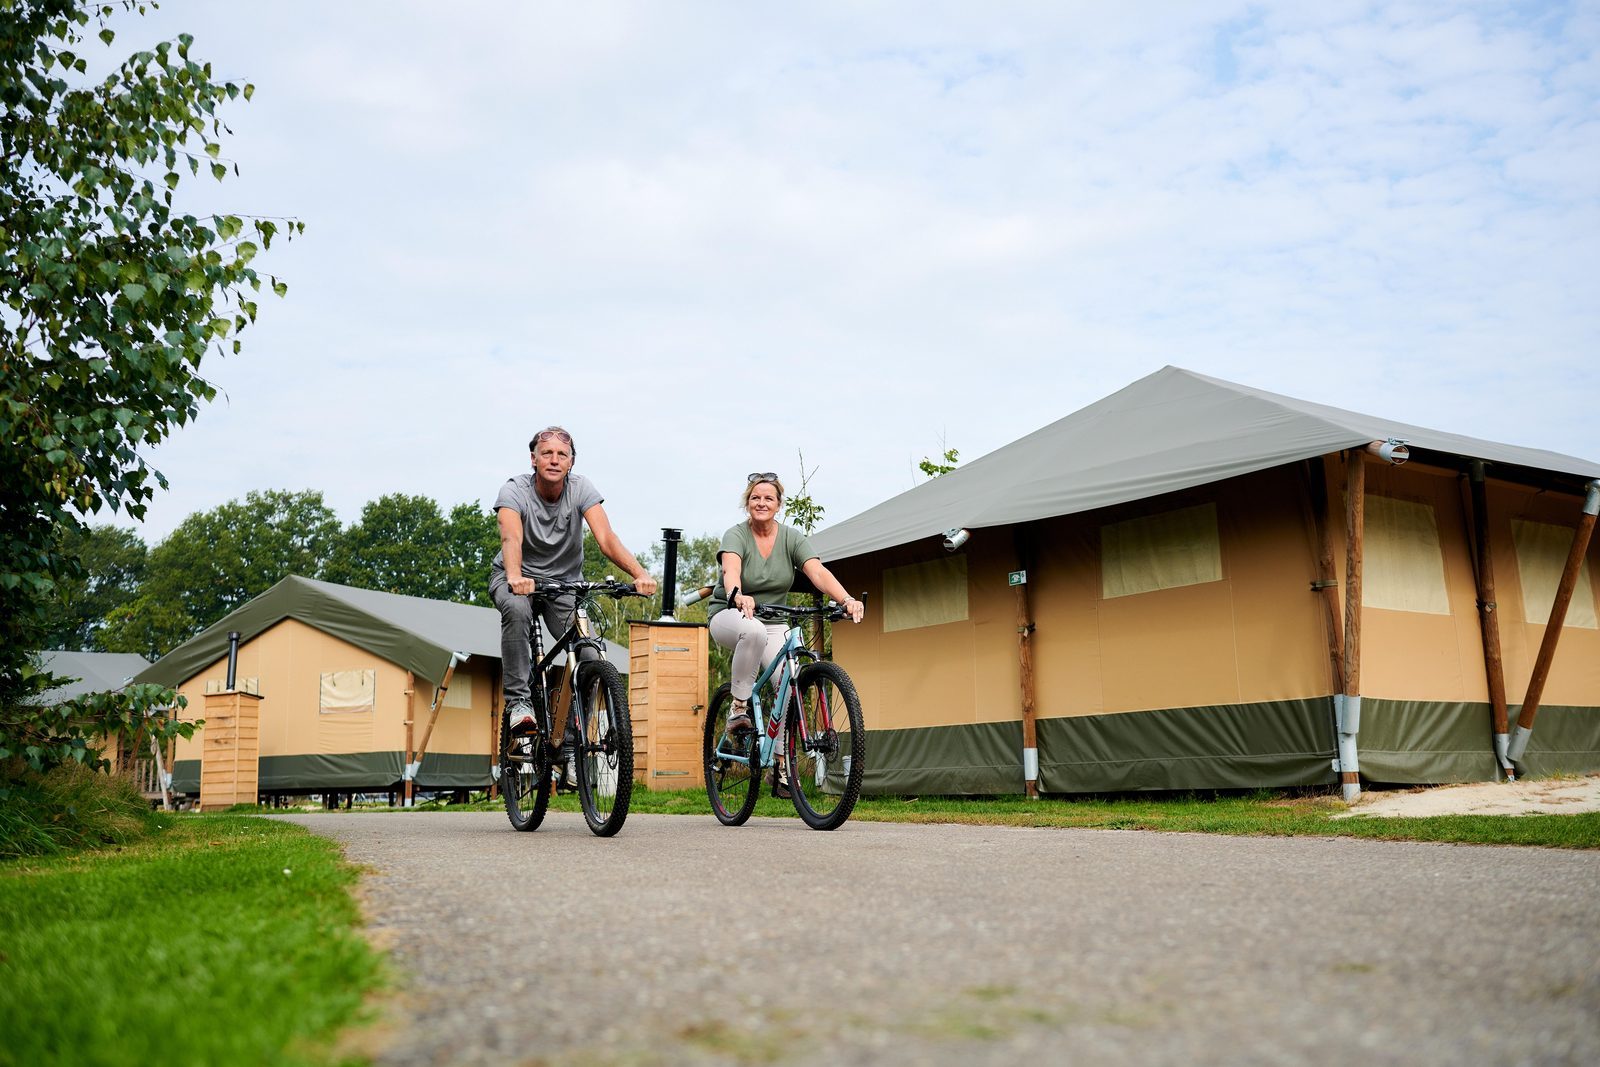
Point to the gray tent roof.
(413, 632)
(1171, 430)
(97, 672)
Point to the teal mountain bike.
(810, 738)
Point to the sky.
(708, 237)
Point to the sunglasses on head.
(542, 434)
(761, 476)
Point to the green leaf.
(219, 171)
(212, 149)
(281, 288)
(247, 251)
(134, 292)
(107, 36)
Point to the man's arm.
(615, 551)
(511, 550)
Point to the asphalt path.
(682, 941)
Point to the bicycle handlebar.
(775, 612)
(610, 587)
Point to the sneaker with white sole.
(520, 718)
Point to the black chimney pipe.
(233, 657)
(669, 580)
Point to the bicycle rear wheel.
(524, 777)
(730, 782)
(825, 746)
(605, 756)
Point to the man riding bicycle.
(541, 517)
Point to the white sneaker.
(520, 719)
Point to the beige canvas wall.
(1575, 672)
(289, 660)
(1256, 634)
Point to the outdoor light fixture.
(955, 537)
(1392, 450)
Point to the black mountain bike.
(598, 708)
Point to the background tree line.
(130, 597)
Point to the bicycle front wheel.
(825, 746)
(605, 755)
(730, 783)
(524, 777)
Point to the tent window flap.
(1165, 551)
(925, 594)
(347, 691)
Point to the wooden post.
(1558, 616)
(1327, 583)
(1030, 736)
(414, 764)
(1488, 620)
(1348, 703)
(405, 799)
(494, 730)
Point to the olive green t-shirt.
(768, 579)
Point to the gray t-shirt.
(552, 534)
(767, 579)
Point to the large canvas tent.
(339, 671)
(1182, 609)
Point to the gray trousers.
(516, 634)
(754, 643)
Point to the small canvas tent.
(340, 671)
(90, 672)
(1152, 593)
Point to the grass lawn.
(220, 939)
(1263, 813)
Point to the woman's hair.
(744, 498)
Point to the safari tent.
(1162, 591)
(89, 672)
(346, 680)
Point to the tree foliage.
(111, 294)
(405, 544)
(217, 560)
(110, 568)
(933, 468)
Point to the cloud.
(707, 236)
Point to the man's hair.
(553, 431)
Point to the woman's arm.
(732, 572)
(823, 579)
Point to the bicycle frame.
(786, 666)
(575, 638)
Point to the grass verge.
(219, 939)
(1264, 813)
(69, 807)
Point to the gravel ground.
(681, 941)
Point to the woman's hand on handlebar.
(745, 605)
(854, 608)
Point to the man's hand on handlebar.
(520, 585)
(645, 585)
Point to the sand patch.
(1543, 796)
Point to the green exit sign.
(1017, 578)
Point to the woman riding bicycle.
(758, 559)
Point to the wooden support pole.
(406, 796)
(1030, 735)
(433, 719)
(495, 727)
(1348, 704)
(1489, 619)
(1327, 583)
(1558, 617)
